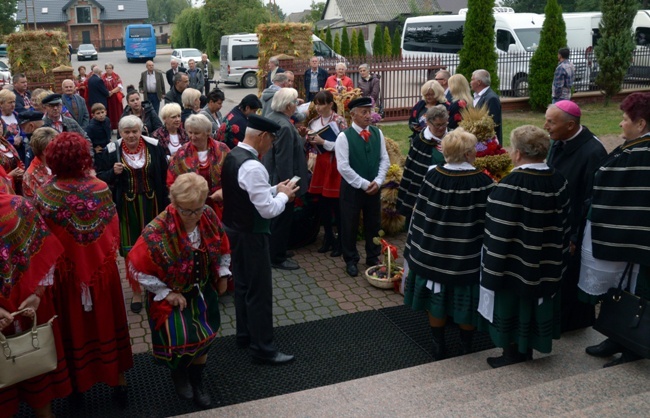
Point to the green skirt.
(136, 213)
(523, 322)
(188, 334)
(458, 302)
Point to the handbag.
(625, 318)
(27, 354)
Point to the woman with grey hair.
(525, 252)
(202, 155)
(425, 151)
(134, 167)
(191, 99)
(171, 135)
(339, 82)
(369, 84)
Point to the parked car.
(183, 55)
(86, 52)
(5, 74)
(3, 50)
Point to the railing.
(401, 79)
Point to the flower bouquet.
(387, 275)
(491, 157)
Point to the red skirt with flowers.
(326, 180)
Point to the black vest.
(239, 213)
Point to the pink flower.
(462, 103)
(91, 205)
(4, 253)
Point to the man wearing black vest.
(250, 203)
(363, 162)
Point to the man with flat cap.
(250, 203)
(54, 119)
(29, 121)
(576, 153)
(363, 162)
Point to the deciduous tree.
(7, 21)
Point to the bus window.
(434, 37)
(140, 33)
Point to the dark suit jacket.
(268, 76)
(97, 91)
(20, 102)
(287, 157)
(493, 103)
(170, 75)
(160, 83)
(321, 77)
(82, 118)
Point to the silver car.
(86, 52)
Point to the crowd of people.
(193, 201)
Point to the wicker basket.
(386, 283)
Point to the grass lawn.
(599, 119)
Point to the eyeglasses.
(439, 125)
(189, 212)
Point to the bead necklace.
(171, 141)
(133, 155)
(322, 121)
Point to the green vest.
(364, 156)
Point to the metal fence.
(401, 79)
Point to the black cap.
(262, 124)
(360, 102)
(29, 116)
(51, 99)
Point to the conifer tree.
(544, 60)
(397, 41)
(378, 43)
(345, 43)
(337, 43)
(388, 43)
(478, 41)
(328, 38)
(361, 44)
(614, 49)
(354, 44)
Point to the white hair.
(283, 98)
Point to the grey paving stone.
(285, 302)
(303, 306)
(296, 315)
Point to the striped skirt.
(523, 322)
(188, 334)
(458, 302)
(136, 212)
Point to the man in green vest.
(363, 162)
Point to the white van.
(641, 60)
(239, 54)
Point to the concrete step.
(441, 388)
(630, 406)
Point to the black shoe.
(277, 359)
(605, 349)
(136, 307)
(286, 265)
(289, 254)
(182, 385)
(201, 395)
(626, 357)
(351, 269)
(121, 396)
(325, 247)
(336, 251)
(439, 351)
(510, 356)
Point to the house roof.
(386, 10)
(297, 17)
(55, 11)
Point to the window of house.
(83, 14)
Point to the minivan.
(239, 53)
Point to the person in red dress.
(113, 84)
(326, 180)
(202, 155)
(28, 254)
(79, 210)
(38, 173)
(12, 164)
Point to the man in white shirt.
(485, 96)
(250, 203)
(362, 161)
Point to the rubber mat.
(327, 351)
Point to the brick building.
(97, 22)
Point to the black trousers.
(353, 202)
(251, 270)
(280, 232)
(574, 314)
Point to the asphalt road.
(130, 73)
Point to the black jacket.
(151, 121)
(97, 91)
(99, 132)
(170, 75)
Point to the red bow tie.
(365, 135)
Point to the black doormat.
(328, 351)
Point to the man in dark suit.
(97, 91)
(152, 86)
(75, 104)
(172, 71)
(485, 96)
(315, 78)
(274, 68)
(179, 83)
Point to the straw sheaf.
(37, 53)
(479, 122)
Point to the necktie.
(365, 134)
(75, 109)
(58, 126)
